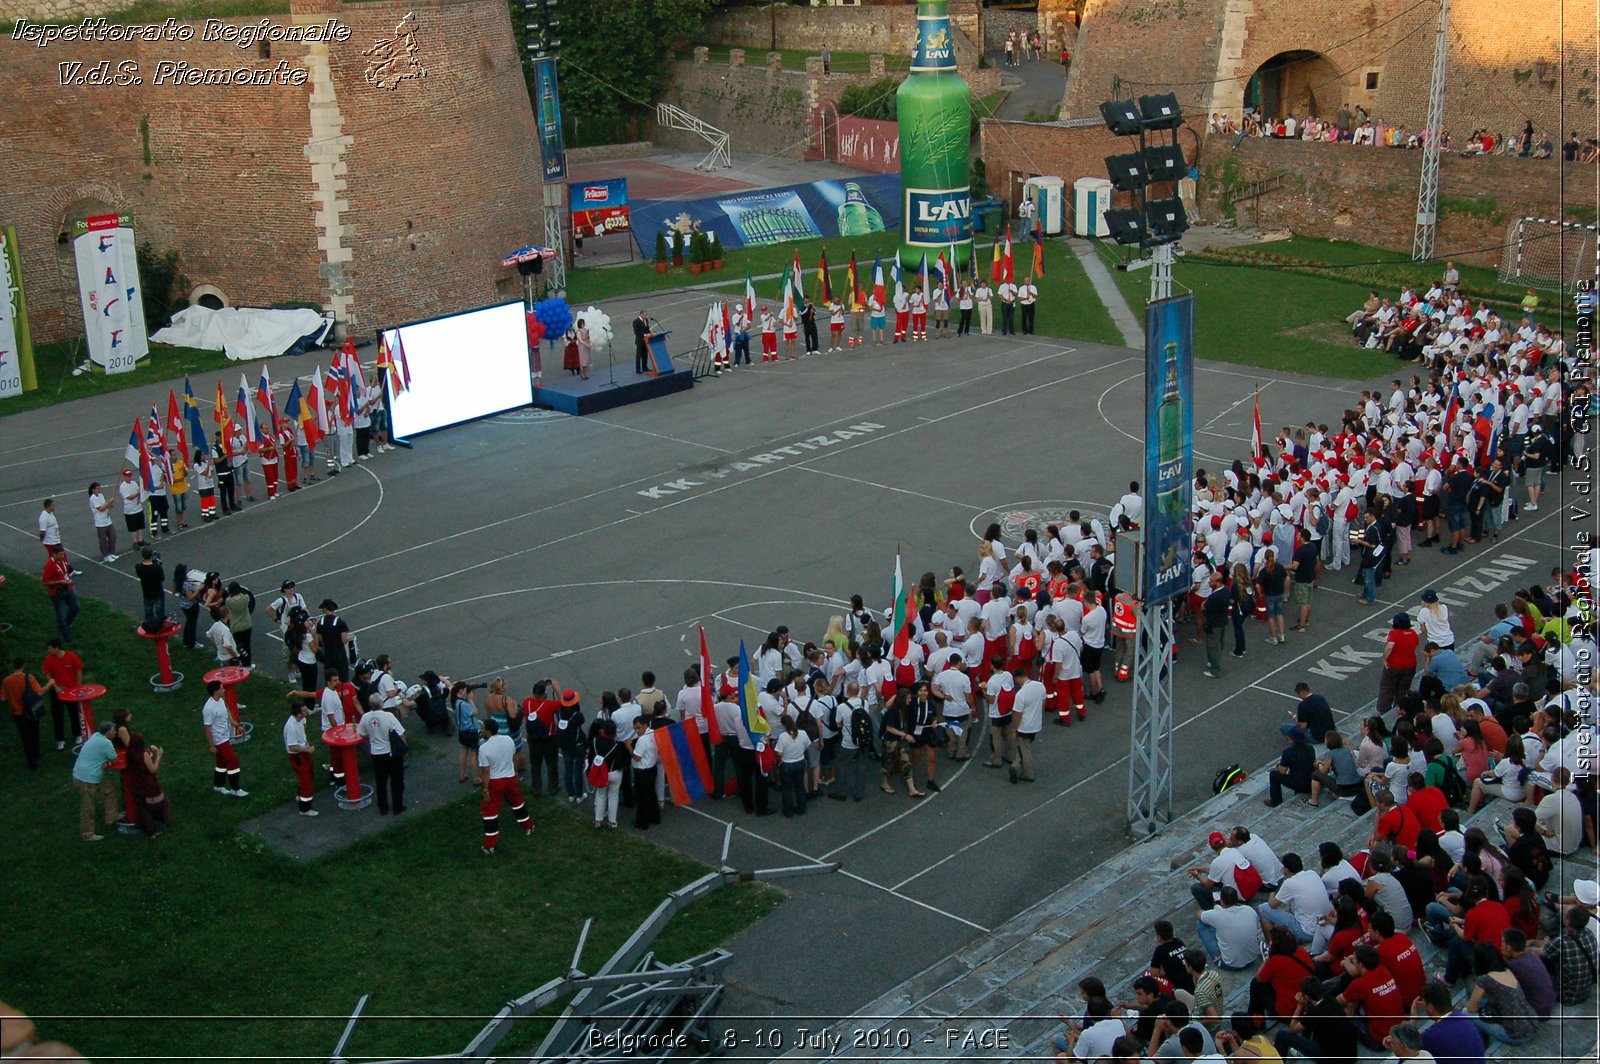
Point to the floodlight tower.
(544, 44)
(1428, 187)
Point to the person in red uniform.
(299, 751)
(1374, 992)
(1400, 955)
(539, 710)
(66, 669)
(291, 457)
(497, 756)
(269, 464)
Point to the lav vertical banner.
(108, 283)
(16, 347)
(1168, 446)
(548, 101)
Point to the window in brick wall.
(1371, 81)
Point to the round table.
(166, 680)
(230, 677)
(84, 695)
(342, 741)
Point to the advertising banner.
(858, 207)
(868, 144)
(600, 207)
(547, 102)
(16, 349)
(1168, 446)
(108, 284)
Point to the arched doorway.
(1299, 82)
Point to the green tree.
(876, 100)
(163, 283)
(612, 62)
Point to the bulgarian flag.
(824, 289)
(708, 694)
(1256, 450)
(900, 621)
(852, 280)
(879, 289)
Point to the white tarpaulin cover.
(242, 333)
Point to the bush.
(677, 244)
(164, 285)
(661, 247)
(876, 101)
(716, 248)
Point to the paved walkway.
(1106, 288)
(1037, 86)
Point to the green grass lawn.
(207, 921)
(1260, 312)
(55, 361)
(1068, 307)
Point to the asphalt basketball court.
(533, 544)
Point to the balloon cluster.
(599, 325)
(555, 316)
(535, 330)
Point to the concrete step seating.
(1024, 975)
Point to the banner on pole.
(108, 285)
(547, 100)
(16, 346)
(601, 207)
(1169, 446)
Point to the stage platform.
(573, 395)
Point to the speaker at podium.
(660, 358)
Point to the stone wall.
(1369, 195)
(293, 190)
(605, 153)
(888, 28)
(998, 22)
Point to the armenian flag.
(683, 762)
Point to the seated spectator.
(1094, 1042)
(1532, 976)
(1395, 823)
(1299, 903)
(1400, 955)
(1571, 956)
(1246, 1038)
(1220, 873)
(1506, 779)
(1344, 929)
(1526, 848)
(1371, 997)
(1452, 1035)
(1318, 1029)
(1255, 850)
(1167, 1045)
(1148, 1006)
(1481, 919)
(1167, 958)
(1295, 767)
(1560, 816)
(1499, 1008)
(1428, 803)
(1383, 888)
(1230, 932)
(1337, 770)
(1274, 989)
(1335, 869)
(1207, 1008)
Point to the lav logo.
(938, 216)
(937, 47)
(596, 193)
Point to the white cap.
(1587, 891)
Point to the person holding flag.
(836, 325)
(739, 324)
(920, 296)
(941, 301)
(983, 297)
(1027, 298)
(858, 305)
(769, 336)
(902, 306)
(877, 307)
(1008, 307)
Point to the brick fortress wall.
(884, 27)
(379, 205)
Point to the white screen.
(462, 367)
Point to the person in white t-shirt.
(218, 723)
(690, 709)
(378, 726)
(104, 530)
(1300, 902)
(983, 296)
(49, 526)
(132, 496)
(1008, 308)
(919, 315)
(1001, 694)
(497, 756)
(902, 316)
(1028, 708)
(954, 689)
(646, 763)
(298, 748)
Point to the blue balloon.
(555, 314)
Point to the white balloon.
(599, 323)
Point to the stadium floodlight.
(1126, 225)
(1163, 162)
(1160, 111)
(1166, 221)
(1127, 172)
(1122, 117)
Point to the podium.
(660, 359)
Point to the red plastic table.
(128, 825)
(342, 741)
(165, 680)
(231, 676)
(84, 695)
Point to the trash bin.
(988, 215)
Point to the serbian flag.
(749, 300)
(999, 270)
(755, 725)
(879, 289)
(191, 413)
(824, 289)
(1010, 275)
(1038, 248)
(247, 415)
(1492, 449)
(265, 398)
(219, 414)
(1485, 426)
(683, 761)
(1451, 412)
(138, 460)
(708, 693)
(1256, 450)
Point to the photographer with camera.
(539, 715)
(152, 587)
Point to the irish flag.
(788, 313)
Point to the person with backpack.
(790, 746)
(569, 740)
(804, 708)
(539, 715)
(854, 725)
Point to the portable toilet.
(1091, 198)
(1047, 194)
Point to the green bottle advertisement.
(934, 105)
(1169, 455)
(1169, 436)
(857, 217)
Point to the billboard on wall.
(600, 207)
(1168, 446)
(857, 207)
(547, 101)
(16, 348)
(108, 286)
(868, 144)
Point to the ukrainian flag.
(754, 723)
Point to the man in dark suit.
(641, 340)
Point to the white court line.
(349, 531)
(654, 477)
(1272, 691)
(1100, 405)
(55, 457)
(849, 875)
(1230, 408)
(659, 435)
(890, 487)
(77, 560)
(1316, 649)
(898, 816)
(699, 496)
(1258, 378)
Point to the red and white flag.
(1255, 433)
(708, 693)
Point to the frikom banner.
(1168, 446)
(16, 347)
(108, 284)
(547, 99)
(600, 207)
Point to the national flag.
(191, 413)
(1492, 449)
(138, 460)
(727, 330)
(749, 300)
(1451, 412)
(824, 289)
(787, 312)
(295, 409)
(999, 263)
(174, 425)
(852, 280)
(798, 279)
(755, 725)
(922, 278)
(1010, 274)
(898, 617)
(388, 361)
(247, 415)
(683, 763)
(317, 399)
(708, 693)
(880, 291)
(712, 334)
(224, 423)
(268, 403)
(1257, 450)
(899, 288)
(156, 443)
(1038, 248)
(399, 354)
